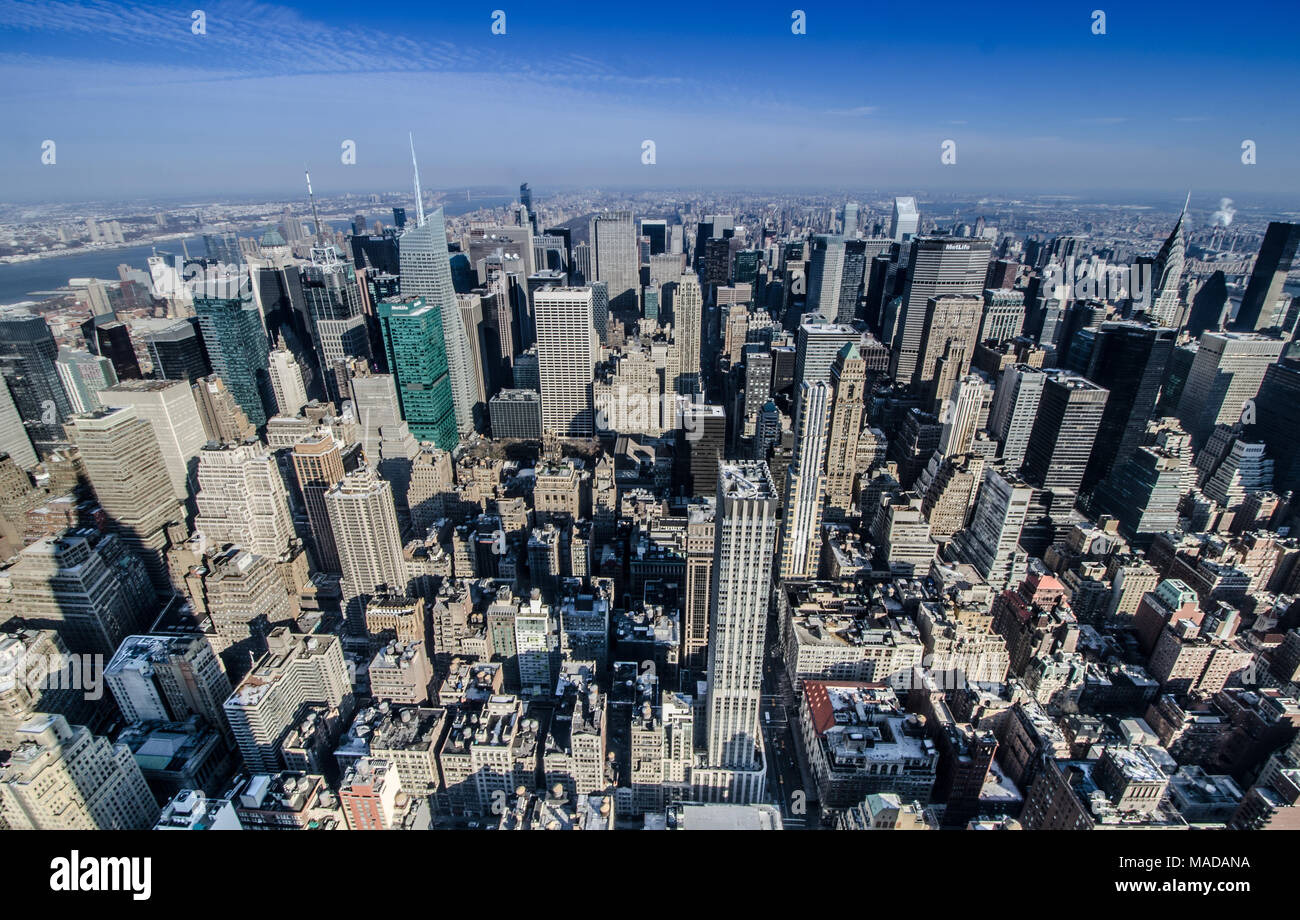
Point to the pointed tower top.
(419, 199)
(320, 233)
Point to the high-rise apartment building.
(242, 499)
(368, 540)
(318, 466)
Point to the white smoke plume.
(1223, 216)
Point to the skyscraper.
(129, 476)
(241, 499)
(849, 383)
(426, 275)
(947, 343)
(335, 307)
(177, 351)
(417, 358)
(991, 541)
(286, 382)
(1015, 406)
(1226, 372)
(1129, 359)
(1167, 275)
(744, 544)
(614, 258)
(14, 439)
(937, 266)
(824, 277)
(235, 340)
(27, 355)
(1276, 255)
(906, 220)
(805, 484)
(688, 322)
(566, 360)
(170, 409)
(318, 465)
(369, 542)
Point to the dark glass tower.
(1276, 254)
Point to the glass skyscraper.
(417, 358)
(237, 348)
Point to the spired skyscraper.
(744, 544)
(426, 273)
(1167, 275)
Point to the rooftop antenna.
(320, 236)
(419, 199)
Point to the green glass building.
(417, 357)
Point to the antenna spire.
(419, 199)
(320, 233)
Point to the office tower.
(1130, 360)
(1144, 492)
(713, 261)
(14, 440)
(336, 311)
(1015, 406)
(83, 375)
(758, 383)
(857, 254)
(805, 484)
(850, 222)
(516, 414)
(177, 351)
(1247, 469)
(1167, 275)
(938, 268)
(582, 272)
(1277, 422)
(614, 259)
(241, 499)
(286, 382)
(906, 220)
(1004, 315)
(657, 231)
(824, 276)
(368, 540)
(699, 575)
(1209, 304)
(62, 777)
(1062, 440)
(108, 337)
(418, 359)
(744, 545)
(93, 593)
(27, 356)
(235, 341)
(1276, 255)
(222, 247)
(168, 678)
(426, 276)
(666, 268)
(534, 635)
(318, 465)
(963, 413)
(1002, 275)
(991, 542)
(1226, 372)
(472, 321)
(130, 478)
(600, 310)
(688, 329)
(222, 417)
(566, 360)
(816, 346)
(947, 344)
(705, 432)
(849, 383)
(297, 670)
(169, 408)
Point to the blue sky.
(140, 106)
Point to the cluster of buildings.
(796, 518)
